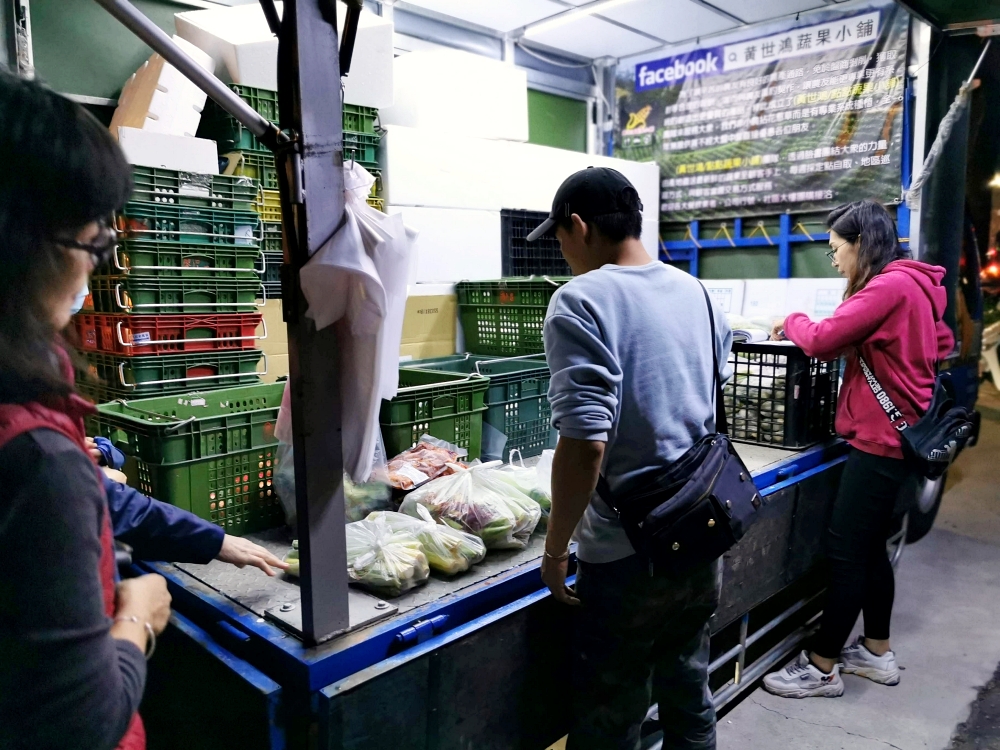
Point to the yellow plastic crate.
(376, 203)
(268, 205)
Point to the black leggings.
(860, 572)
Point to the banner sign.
(797, 121)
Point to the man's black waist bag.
(699, 507)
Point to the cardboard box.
(429, 325)
(277, 367)
(159, 99)
(277, 331)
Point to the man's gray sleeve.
(583, 392)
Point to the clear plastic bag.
(448, 550)
(428, 459)
(481, 503)
(383, 560)
(533, 481)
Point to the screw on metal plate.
(381, 605)
(287, 607)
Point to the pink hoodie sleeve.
(945, 339)
(853, 322)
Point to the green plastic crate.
(441, 404)
(157, 185)
(361, 148)
(220, 126)
(176, 295)
(258, 165)
(135, 377)
(179, 259)
(504, 318)
(163, 222)
(272, 238)
(189, 426)
(235, 491)
(358, 119)
(272, 268)
(517, 402)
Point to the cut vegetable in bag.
(428, 459)
(292, 558)
(534, 481)
(382, 560)
(481, 503)
(448, 550)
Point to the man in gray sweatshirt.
(628, 342)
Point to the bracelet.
(151, 636)
(558, 558)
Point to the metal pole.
(742, 654)
(162, 44)
(312, 184)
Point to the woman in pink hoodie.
(891, 314)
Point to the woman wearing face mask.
(891, 315)
(72, 641)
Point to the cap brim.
(542, 229)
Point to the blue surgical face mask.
(81, 297)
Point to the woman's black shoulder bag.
(931, 444)
(699, 507)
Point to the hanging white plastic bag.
(448, 550)
(382, 560)
(479, 502)
(357, 281)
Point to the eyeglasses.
(101, 249)
(833, 252)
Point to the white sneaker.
(802, 679)
(856, 659)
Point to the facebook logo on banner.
(671, 70)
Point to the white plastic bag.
(385, 561)
(481, 503)
(448, 550)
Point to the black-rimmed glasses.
(100, 249)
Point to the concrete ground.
(946, 634)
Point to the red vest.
(66, 418)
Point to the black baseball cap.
(591, 192)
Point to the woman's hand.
(778, 330)
(147, 599)
(93, 450)
(242, 552)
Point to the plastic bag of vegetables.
(383, 560)
(448, 550)
(533, 481)
(292, 558)
(481, 503)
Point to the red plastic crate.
(142, 335)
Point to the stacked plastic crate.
(174, 310)
(243, 154)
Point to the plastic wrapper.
(428, 459)
(448, 550)
(383, 560)
(533, 481)
(481, 503)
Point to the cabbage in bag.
(382, 560)
(448, 550)
(479, 502)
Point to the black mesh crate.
(779, 397)
(521, 258)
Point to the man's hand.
(242, 552)
(93, 450)
(554, 576)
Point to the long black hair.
(879, 246)
(61, 170)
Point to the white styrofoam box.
(817, 298)
(765, 298)
(178, 152)
(453, 244)
(728, 294)
(244, 50)
(434, 168)
(452, 90)
(650, 238)
(159, 99)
